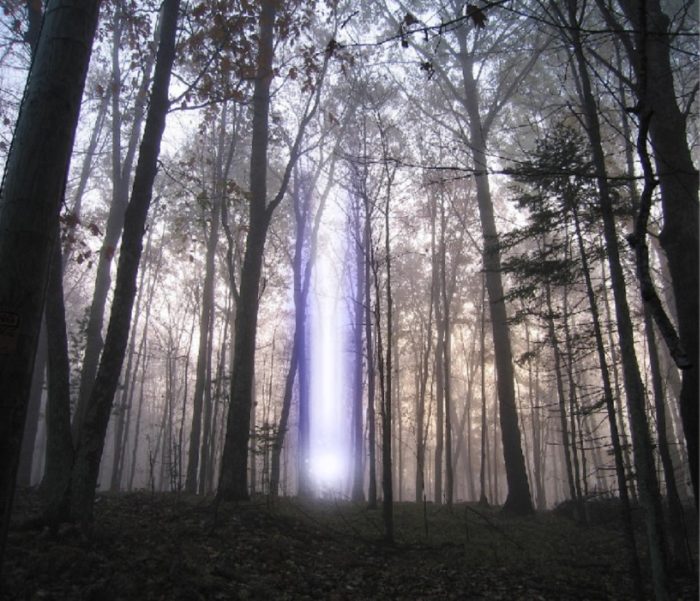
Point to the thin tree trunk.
(121, 175)
(465, 423)
(421, 426)
(678, 180)
(565, 439)
(203, 370)
(385, 379)
(142, 358)
(540, 497)
(31, 426)
(644, 463)
(439, 357)
(446, 361)
(59, 443)
(483, 498)
(358, 492)
(208, 465)
(371, 373)
(124, 408)
(620, 472)
(387, 397)
(675, 507)
(234, 463)
(572, 398)
(91, 441)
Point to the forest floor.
(174, 547)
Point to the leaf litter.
(176, 547)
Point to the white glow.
(330, 437)
(328, 469)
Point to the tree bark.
(483, 497)
(678, 180)
(439, 369)
(59, 443)
(358, 477)
(643, 457)
(121, 175)
(371, 363)
(92, 434)
(620, 472)
(32, 190)
(233, 480)
(31, 426)
(203, 373)
(518, 500)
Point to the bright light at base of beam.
(327, 469)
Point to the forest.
(349, 299)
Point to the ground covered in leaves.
(174, 547)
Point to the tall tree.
(90, 444)
(213, 199)
(357, 246)
(650, 54)
(234, 465)
(121, 176)
(24, 473)
(518, 500)
(32, 190)
(643, 457)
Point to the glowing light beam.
(330, 437)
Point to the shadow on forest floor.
(172, 547)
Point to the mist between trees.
(379, 251)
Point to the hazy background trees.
(471, 172)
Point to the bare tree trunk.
(536, 425)
(121, 175)
(233, 479)
(464, 441)
(305, 487)
(644, 462)
(234, 463)
(615, 438)
(371, 373)
(483, 498)
(397, 412)
(142, 358)
(32, 190)
(358, 492)
(565, 439)
(421, 426)
(624, 439)
(518, 500)
(59, 443)
(208, 466)
(203, 373)
(385, 377)
(573, 402)
(446, 360)
(678, 180)
(124, 407)
(675, 507)
(439, 370)
(31, 426)
(91, 441)
(387, 397)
